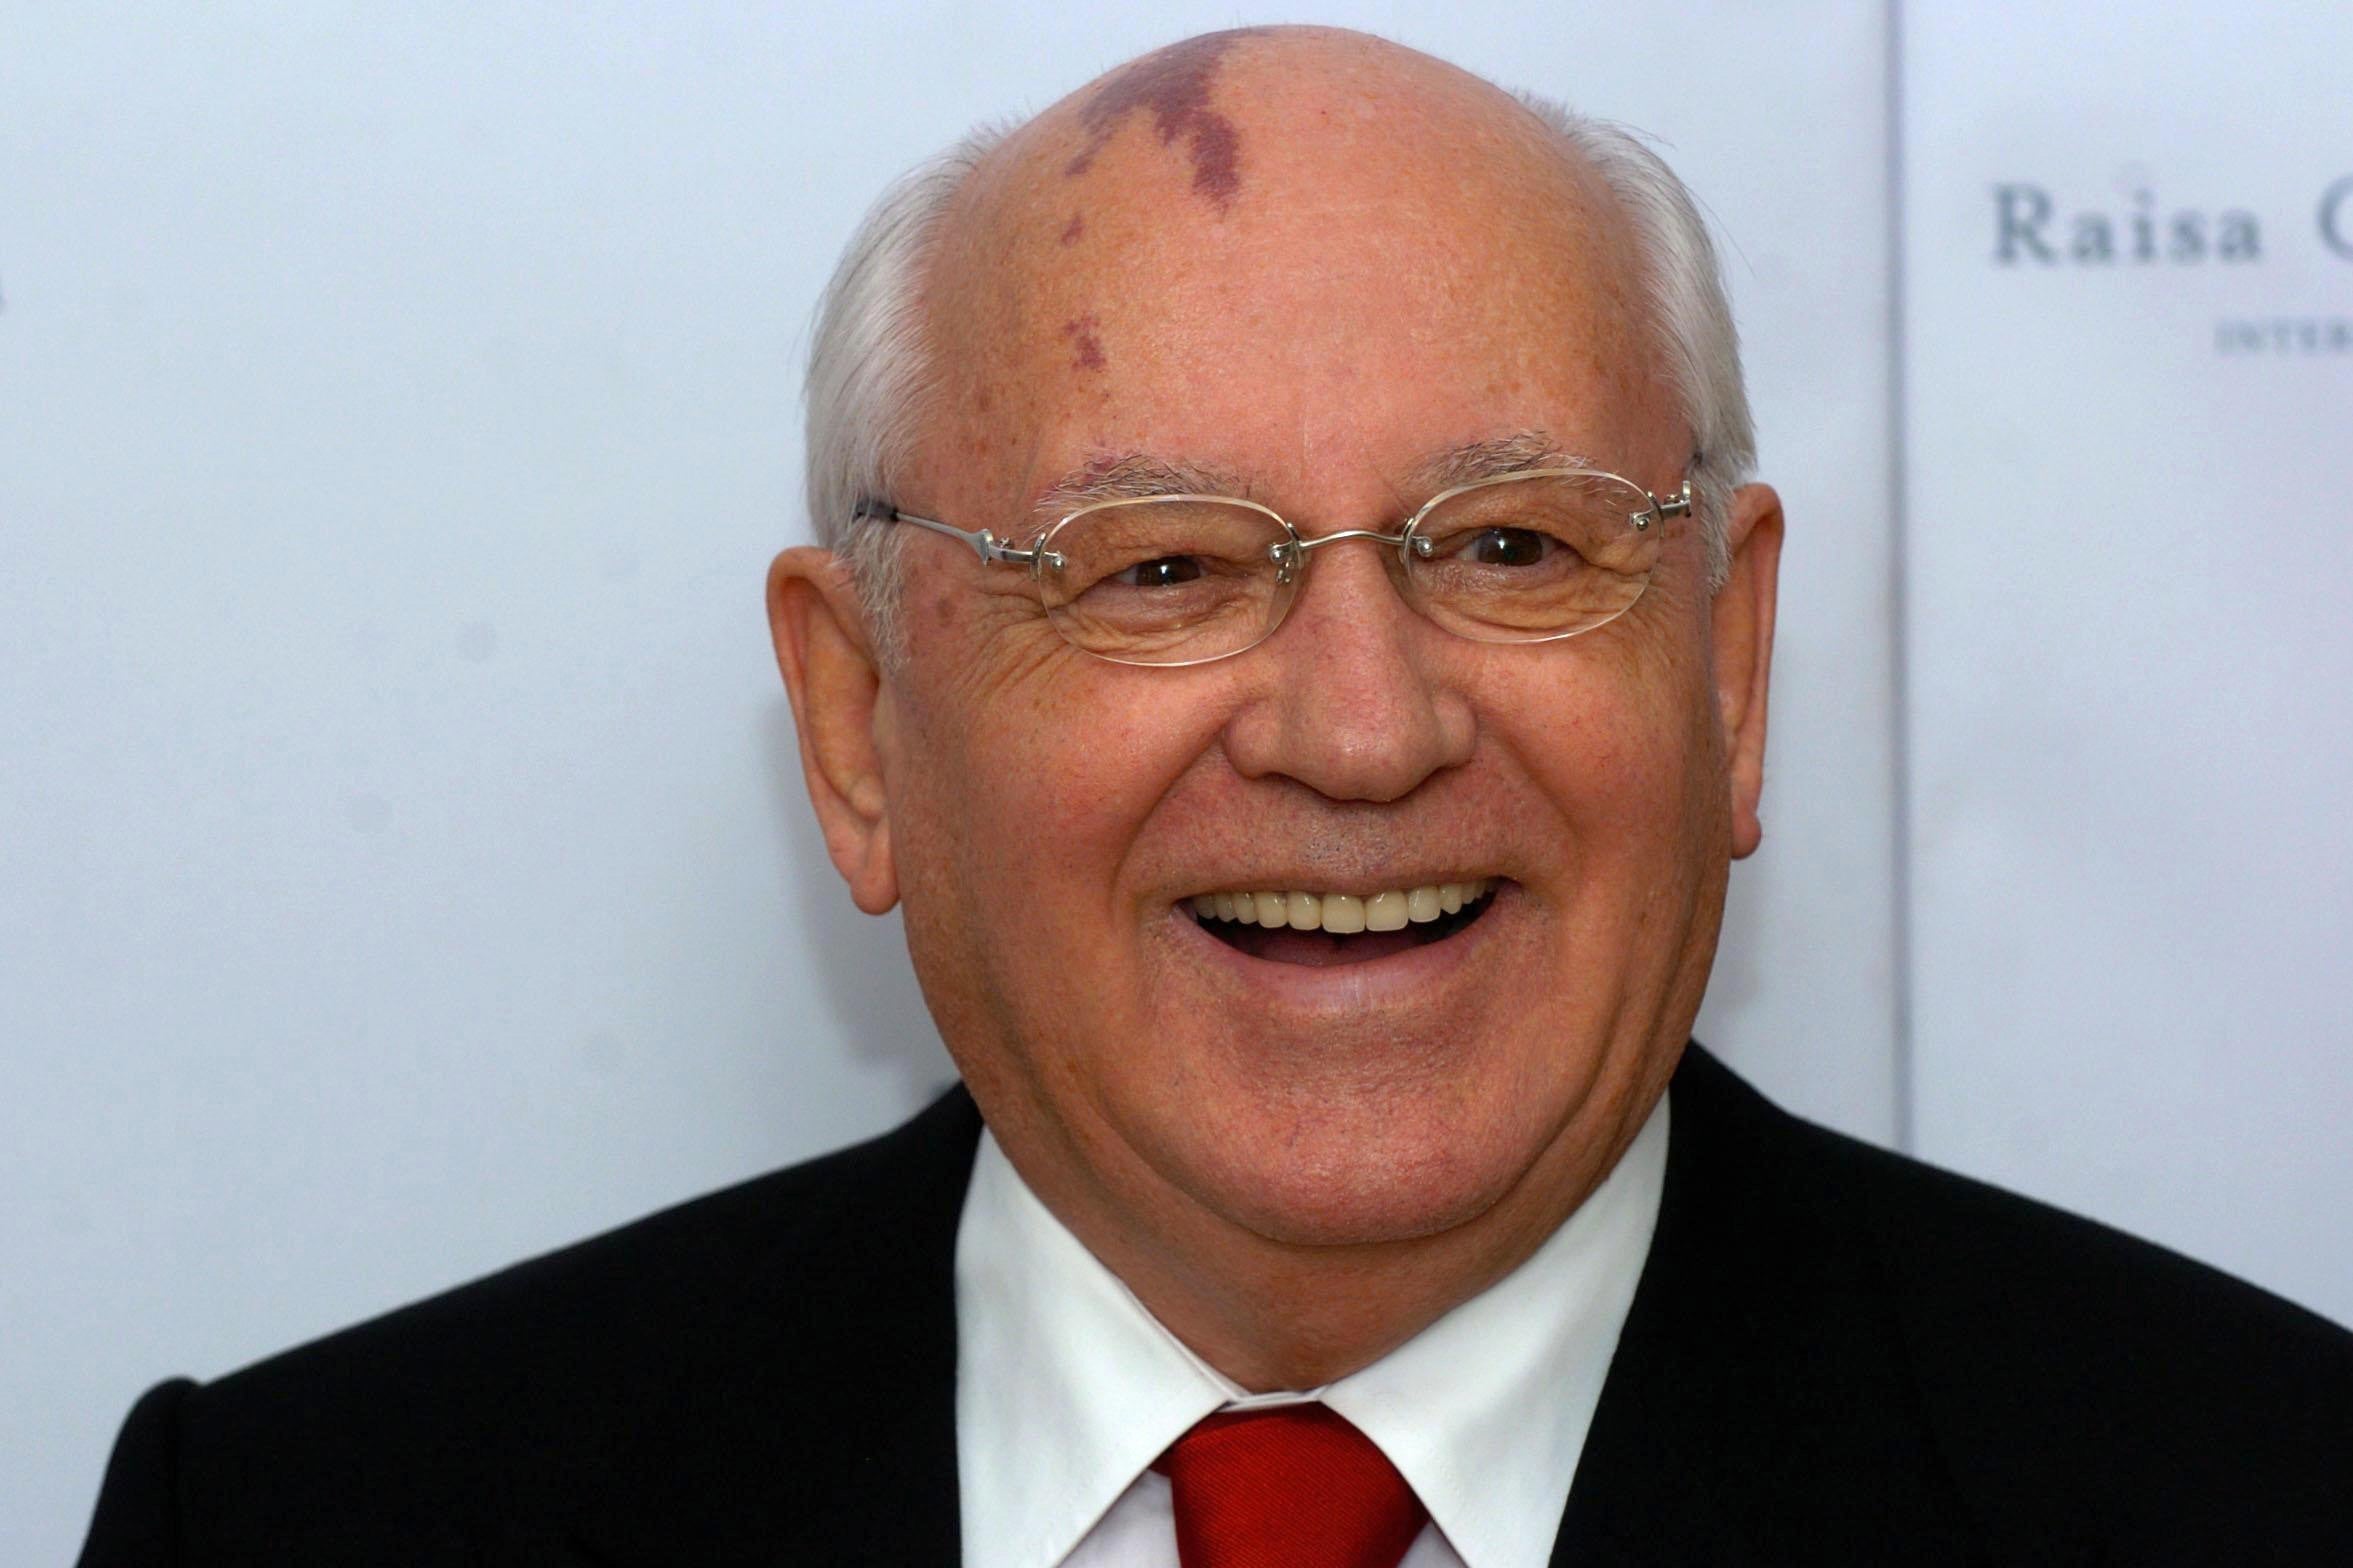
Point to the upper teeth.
(1343, 914)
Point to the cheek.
(1633, 765)
(1039, 771)
(1083, 773)
(1622, 736)
(1021, 905)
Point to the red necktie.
(1294, 1486)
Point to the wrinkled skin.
(1295, 1168)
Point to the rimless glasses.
(1529, 556)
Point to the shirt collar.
(1067, 1388)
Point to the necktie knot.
(1291, 1486)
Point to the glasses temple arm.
(985, 543)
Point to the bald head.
(1210, 118)
(1261, 174)
(1288, 185)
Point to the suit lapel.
(1758, 1408)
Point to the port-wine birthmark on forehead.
(1174, 84)
(1086, 349)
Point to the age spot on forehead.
(1086, 349)
(1174, 84)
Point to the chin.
(1359, 1174)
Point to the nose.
(1357, 701)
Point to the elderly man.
(1292, 636)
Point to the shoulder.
(675, 1347)
(810, 1248)
(2029, 1288)
(2078, 1382)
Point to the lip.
(1257, 882)
(1418, 974)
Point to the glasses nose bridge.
(1290, 555)
(1334, 537)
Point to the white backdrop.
(2129, 540)
(403, 866)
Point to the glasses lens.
(1164, 580)
(1521, 560)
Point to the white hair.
(1691, 318)
(871, 375)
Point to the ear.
(842, 713)
(1743, 631)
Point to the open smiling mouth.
(1320, 929)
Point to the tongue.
(1318, 949)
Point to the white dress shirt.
(1067, 1388)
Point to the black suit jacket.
(1835, 1355)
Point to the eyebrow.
(1135, 475)
(1132, 476)
(1493, 458)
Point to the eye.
(1165, 571)
(1511, 547)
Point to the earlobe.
(1743, 636)
(840, 710)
